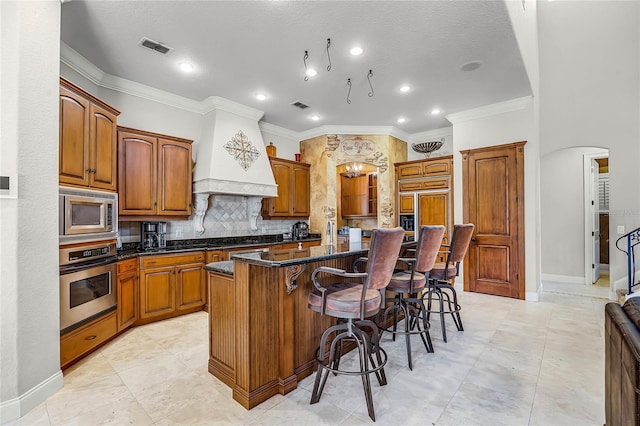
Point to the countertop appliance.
(87, 283)
(153, 235)
(300, 230)
(87, 215)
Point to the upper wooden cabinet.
(359, 195)
(154, 175)
(87, 154)
(293, 180)
(431, 180)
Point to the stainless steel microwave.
(87, 215)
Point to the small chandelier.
(353, 170)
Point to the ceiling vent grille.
(155, 46)
(299, 104)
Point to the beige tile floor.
(516, 363)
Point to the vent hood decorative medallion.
(242, 150)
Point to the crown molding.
(82, 66)
(354, 130)
(489, 110)
(431, 134)
(278, 131)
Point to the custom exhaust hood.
(232, 159)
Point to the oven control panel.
(86, 252)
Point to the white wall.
(29, 279)
(432, 135)
(589, 96)
(287, 142)
(562, 214)
(501, 124)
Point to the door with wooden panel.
(300, 197)
(73, 164)
(280, 206)
(157, 292)
(493, 200)
(174, 178)
(103, 148)
(136, 174)
(434, 209)
(190, 286)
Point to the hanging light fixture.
(353, 170)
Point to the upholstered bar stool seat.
(352, 300)
(442, 277)
(406, 284)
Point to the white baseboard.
(18, 407)
(562, 278)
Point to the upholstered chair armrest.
(359, 260)
(332, 271)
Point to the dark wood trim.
(72, 86)
(421, 160)
(152, 134)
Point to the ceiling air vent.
(155, 46)
(299, 104)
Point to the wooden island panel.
(273, 332)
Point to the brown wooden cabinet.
(154, 175)
(215, 256)
(87, 151)
(431, 179)
(293, 180)
(127, 293)
(171, 285)
(87, 338)
(359, 195)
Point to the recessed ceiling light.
(471, 66)
(435, 111)
(405, 88)
(311, 72)
(186, 67)
(355, 51)
(315, 117)
(261, 96)
(401, 120)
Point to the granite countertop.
(278, 258)
(224, 267)
(130, 250)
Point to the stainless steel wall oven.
(87, 283)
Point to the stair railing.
(632, 239)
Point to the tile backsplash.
(226, 217)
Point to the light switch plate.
(8, 186)
(620, 229)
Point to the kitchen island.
(262, 335)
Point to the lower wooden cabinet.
(215, 256)
(85, 339)
(127, 293)
(171, 285)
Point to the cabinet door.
(436, 167)
(74, 138)
(407, 171)
(136, 174)
(354, 196)
(281, 205)
(190, 286)
(300, 195)
(102, 139)
(127, 299)
(406, 203)
(434, 208)
(157, 292)
(174, 178)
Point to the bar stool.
(352, 302)
(443, 275)
(412, 281)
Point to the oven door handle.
(67, 269)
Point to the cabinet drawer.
(82, 340)
(127, 265)
(414, 185)
(439, 183)
(171, 260)
(436, 168)
(409, 171)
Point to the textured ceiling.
(240, 48)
